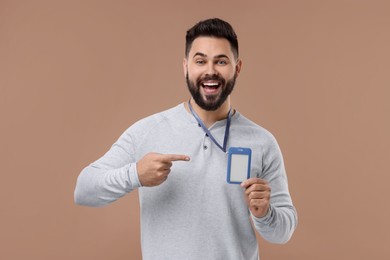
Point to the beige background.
(75, 74)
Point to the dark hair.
(215, 28)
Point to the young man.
(177, 160)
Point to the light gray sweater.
(195, 213)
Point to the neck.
(210, 117)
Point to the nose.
(211, 69)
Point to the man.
(178, 162)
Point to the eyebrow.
(215, 57)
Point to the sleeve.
(109, 178)
(281, 220)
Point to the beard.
(210, 102)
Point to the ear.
(238, 67)
(185, 63)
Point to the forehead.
(210, 46)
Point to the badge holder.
(239, 164)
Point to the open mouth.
(211, 87)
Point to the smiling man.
(178, 162)
(213, 77)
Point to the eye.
(222, 62)
(200, 62)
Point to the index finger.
(249, 182)
(174, 157)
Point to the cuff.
(133, 175)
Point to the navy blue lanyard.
(223, 148)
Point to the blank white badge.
(239, 167)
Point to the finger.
(257, 187)
(264, 191)
(258, 203)
(258, 195)
(163, 173)
(251, 181)
(166, 164)
(174, 157)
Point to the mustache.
(213, 77)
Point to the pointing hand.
(154, 168)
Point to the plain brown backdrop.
(75, 74)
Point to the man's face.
(211, 71)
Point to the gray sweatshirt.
(195, 213)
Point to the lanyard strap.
(223, 148)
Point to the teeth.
(211, 84)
